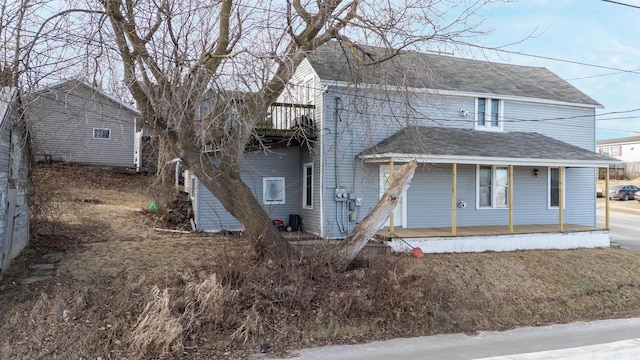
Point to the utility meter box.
(342, 194)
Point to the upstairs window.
(488, 114)
(100, 133)
(203, 110)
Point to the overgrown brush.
(163, 325)
(46, 198)
(267, 303)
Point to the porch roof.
(465, 146)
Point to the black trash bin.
(295, 222)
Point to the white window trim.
(493, 188)
(264, 192)
(487, 116)
(101, 138)
(309, 91)
(306, 166)
(564, 188)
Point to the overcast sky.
(592, 32)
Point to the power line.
(620, 3)
(554, 59)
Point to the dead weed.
(123, 291)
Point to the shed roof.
(466, 146)
(445, 73)
(65, 85)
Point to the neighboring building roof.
(622, 140)
(446, 73)
(7, 96)
(75, 83)
(466, 146)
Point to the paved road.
(625, 228)
(606, 339)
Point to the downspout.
(335, 159)
(321, 134)
(335, 142)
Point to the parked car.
(637, 195)
(599, 192)
(623, 192)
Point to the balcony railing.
(288, 120)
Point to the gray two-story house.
(506, 154)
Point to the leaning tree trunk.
(238, 199)
(366, 229)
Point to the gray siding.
(572, 125)
(311, 218)
(14, 182)
(355, 121)
(5, 150)
(280, 162)
(429, 199)
(62, 120)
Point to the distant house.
(72, 121)
(506, 154)
(14, 177)
(626, 149)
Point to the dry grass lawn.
(124, 291)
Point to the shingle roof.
(439, 72)
(443, 141)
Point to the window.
(614, 151)
(488, 114)
(203, 110)
(309, 93)
(307, 186)
(554, 188)
(493, 186)
(273, 190)
(99, 133)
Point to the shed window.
(101, 133)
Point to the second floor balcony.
(289, 120)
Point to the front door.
(399, 218)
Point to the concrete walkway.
(606, 339)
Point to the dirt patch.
(121, 290)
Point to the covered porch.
(454, 147)
(494, 238)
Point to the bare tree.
(172, 52)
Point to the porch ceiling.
(465, 146)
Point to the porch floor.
(480, 230)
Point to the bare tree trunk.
(351, 246)
(238, 199)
